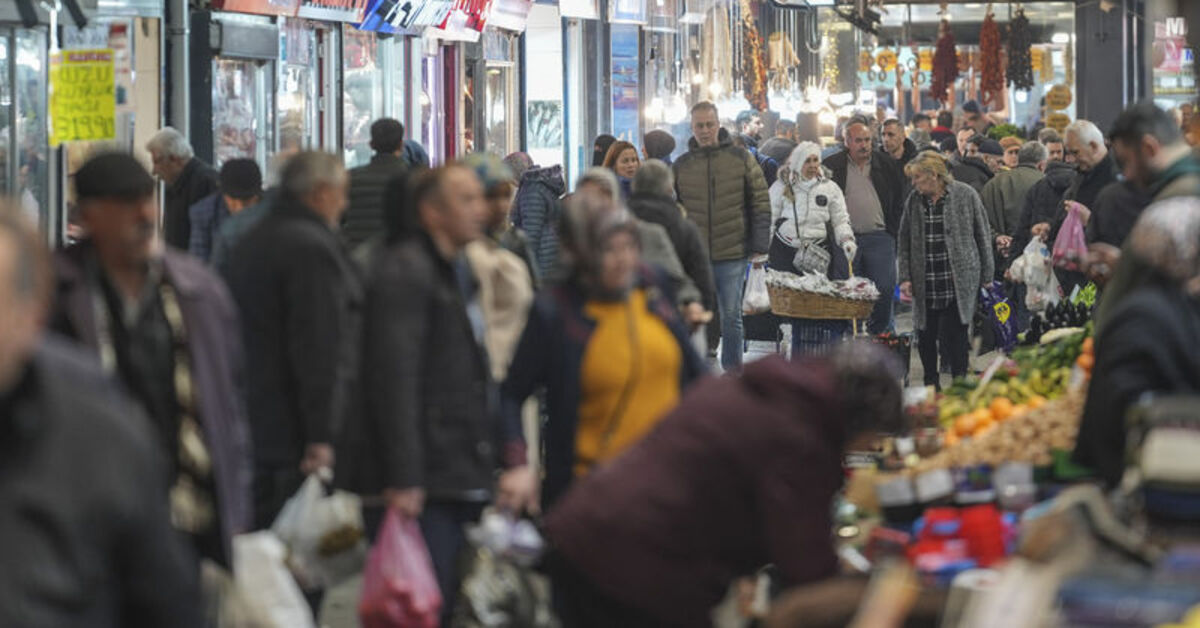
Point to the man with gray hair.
(653, 201)
(188, 180)
(1004, 196)
(300, 298)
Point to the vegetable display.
(1020, 56)
(991, 82)
(945, 64)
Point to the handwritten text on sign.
(82, 101)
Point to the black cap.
(241, 179)
(659, 144)
(113, 175)
(991, 147)
(971, 107)
(949, 144)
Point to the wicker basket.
(796, 304)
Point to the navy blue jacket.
(550, 354)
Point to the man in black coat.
(84, 529)
(653, 201)
(299, 297)
(1042, 205)
(428, 441)
(970, 168)
(874, 198)
(188, 180)
(1117, 209)
(363, 220)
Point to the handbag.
(811, 255)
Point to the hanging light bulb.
(716, 88)
(697, 79)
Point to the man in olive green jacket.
(725, 194)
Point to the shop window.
(544, 88)
(362, 98)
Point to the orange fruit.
(1086, 361)
(1001, 408)
(1018, 410)
(983, 428)
(1089, 345)
(1037, 401)
(951, 439)
(964, 424)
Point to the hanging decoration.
(1020, 44)
(991, 81)
(754, 66)
(1069, 62)
(945, 65)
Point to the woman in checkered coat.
(945, 258)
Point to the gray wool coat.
(968, 239)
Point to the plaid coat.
(968, 238)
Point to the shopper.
(970, 168)
(600, 149)
(658, 144)
(808, 212)
(653, 202)
(299, 296)
(1147, 341)
(84, 527)
(725, 195)
(964, 137)
(622, 159)
(922, 121)
(780, 147)
(415, 155)
(992, 153)
(872, 187)
(945, 257)
(896, 144)
(165, 327)
(187, 181)
(743, 473)
(750, 125)
(1053, 143)
(976, 119)
(363, 219)
(499, 190)
(241, 223)
(656, 247)
(1096, 166)
(610, 351)
(241, 187)
(1042, 205)
(1118, 207)
(943, 130)
(429, 440)
(1004, 196)
(535, 211)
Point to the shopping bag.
(757, 300)
(265, 585)
(1070, 247)
(1033, 268)
(323, 534)
(502, 590)
(999, 315)
(400, 589)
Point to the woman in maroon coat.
(740, 475)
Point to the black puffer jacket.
(1042, 203)
(685, 237)
(972, 171)
(364, 217)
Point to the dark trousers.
(442, 525)
(580, 604)
(876, 260)
(943, 328)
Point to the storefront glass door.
(299, 125)
(243, 109)
(362, 99)
(24, 169)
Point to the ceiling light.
(1061, 38)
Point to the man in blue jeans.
(874, 190)
(723, 190)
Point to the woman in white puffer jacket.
(808, 222)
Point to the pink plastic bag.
(1070, 247)
(400, 589)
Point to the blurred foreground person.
(299, 297)
(610, 349)
(741, 474)
(165, 327)
(429, 441)
(84, 527)
(1147, 343)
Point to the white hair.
(171, 143)
(603, 177)
(308, 170)
(1087, 132)
(654, 177)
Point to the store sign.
(332, 10)
(1058, 121)
(263, 7)
(886, 60)
(510, 14)
(925, 58)
(82, 96)
(393, 16)
(584, 9)
(1058, 98)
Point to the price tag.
(886, 59)
(925, 57)
(1058, 121)
(1058, 98)
(82, 96)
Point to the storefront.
(25, 158)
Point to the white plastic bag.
(757, 300)
(265, 585)
(323, 534)
(1035, 269)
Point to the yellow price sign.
(1058, 98)
(1058, 121)
(82, 96)
(864, 61)
(886, 59)
(925, 58)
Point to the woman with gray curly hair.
(1148, 341)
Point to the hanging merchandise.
(1069, 63)
(945, 65)
(716, 64)
(754, 66)
(991, 82)
(1020, 43)
(783, 57)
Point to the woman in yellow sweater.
(607, 345)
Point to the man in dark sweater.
(363, 220)
(188, 180)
